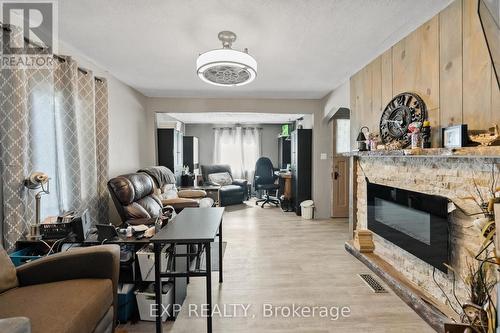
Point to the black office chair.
(264, 179)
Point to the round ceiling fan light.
(226, 67)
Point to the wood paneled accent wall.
(446, 62)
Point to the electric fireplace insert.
(416, 222)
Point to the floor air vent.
(374, 285)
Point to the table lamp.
(37, 180)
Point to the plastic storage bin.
(23, 256)
(146, 259)
(307, 209)
(146, 301)
(126, 302)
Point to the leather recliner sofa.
(165, 187)
(137, 198)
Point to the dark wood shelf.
(433, 312)
(466, 152)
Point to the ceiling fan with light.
(226, 67)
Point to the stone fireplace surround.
(448, 173)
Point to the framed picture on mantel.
(454, 136)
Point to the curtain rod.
(243, 127)
(56, 56)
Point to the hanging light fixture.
(226, 67)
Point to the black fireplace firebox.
(416, 222)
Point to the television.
(489, 15)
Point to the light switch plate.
(323, 156)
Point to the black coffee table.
(191, 226)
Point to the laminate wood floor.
(277, 259)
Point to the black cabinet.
(190, 152)
(284, 152)
(170, 150)
(301, 155)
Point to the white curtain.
(252, 150)
(240, 147)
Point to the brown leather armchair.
(69, 292)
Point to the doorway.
(340, 163)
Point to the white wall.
(331, 103)
(307, 121)
(129, 144)
(321, 131)
(340, 97)
(205, 134)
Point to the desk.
(191, 226)
(287, 177)
(180, 283)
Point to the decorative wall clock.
(401, 111)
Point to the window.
(239, 147)
(342, 136)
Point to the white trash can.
(307, 209)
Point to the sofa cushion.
(192, 194)
(72, 306)
(146, 207)
(231, 189)
(221, 178)
(8, 277)
(214, 168)
(180, 203)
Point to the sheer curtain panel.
(240, 147)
